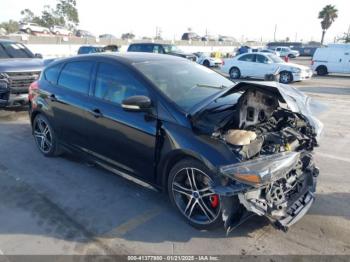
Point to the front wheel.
(191, 193)
(206, 63)
(286, 77)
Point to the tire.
(206, 63)
(29, 31)
(189, 191)
(44, 136)
(45, 32)
(322, 70)
(285, 77)
(291, 56)
(235, 73)
(57, 33)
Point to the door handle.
(96, 113)
(53, 98)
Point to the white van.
(335, 58)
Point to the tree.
(10, 26)
(328, 15)
(65, 14)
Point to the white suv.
(60, 30)
(33, 28)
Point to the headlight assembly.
(262, 170)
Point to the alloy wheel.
(285, 78)
(194, 197)
(234, 73)
(43, 136)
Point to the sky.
(248, 19)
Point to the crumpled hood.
(296, 101)
(21, 64)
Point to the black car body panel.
(147, 143)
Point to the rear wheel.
(235, 73)
(29, 31)
(286, 77)
(44, 136)
(322, 71)
(191, 193)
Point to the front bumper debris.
(284, 199)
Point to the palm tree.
(328, 14)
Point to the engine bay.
(264, 126)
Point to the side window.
(134, 48)
(114, 83)
(147, 48)
(261, 59)
(156, 49)
(51, 73)
(76, 76)
(247, 58)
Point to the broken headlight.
(263, 170)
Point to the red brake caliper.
(214, 201)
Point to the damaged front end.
(273, 133)
(280, 187)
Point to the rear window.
(76, 76)
(51, 73)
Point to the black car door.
(122, 138)
(70, 102)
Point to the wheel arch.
(173, 158)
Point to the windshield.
(184, 82)
(14, 50)
(275, 58)
(171, 48)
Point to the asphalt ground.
(65, 206)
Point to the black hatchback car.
(221, 150)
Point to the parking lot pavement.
(64, 206)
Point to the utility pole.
(274, 34)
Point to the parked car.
(208, 38)
(60, 30)
(270, 51)
(111, 48)
(19, 67)
(226, 39)
(305, 49)
(160, 49)
(190, 36)
(258, 65)
(89, 49)
(211, 144)
(206, 60)
(287, 51)
(30, 28)
(107, 36)
(84, 33)
(335, 58)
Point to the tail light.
(312, 62)
(223, 62)
(32, 89)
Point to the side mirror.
(137, 103)
(38, 55)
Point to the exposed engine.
(265, 127)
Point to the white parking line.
(334, 157)
(1, 253)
